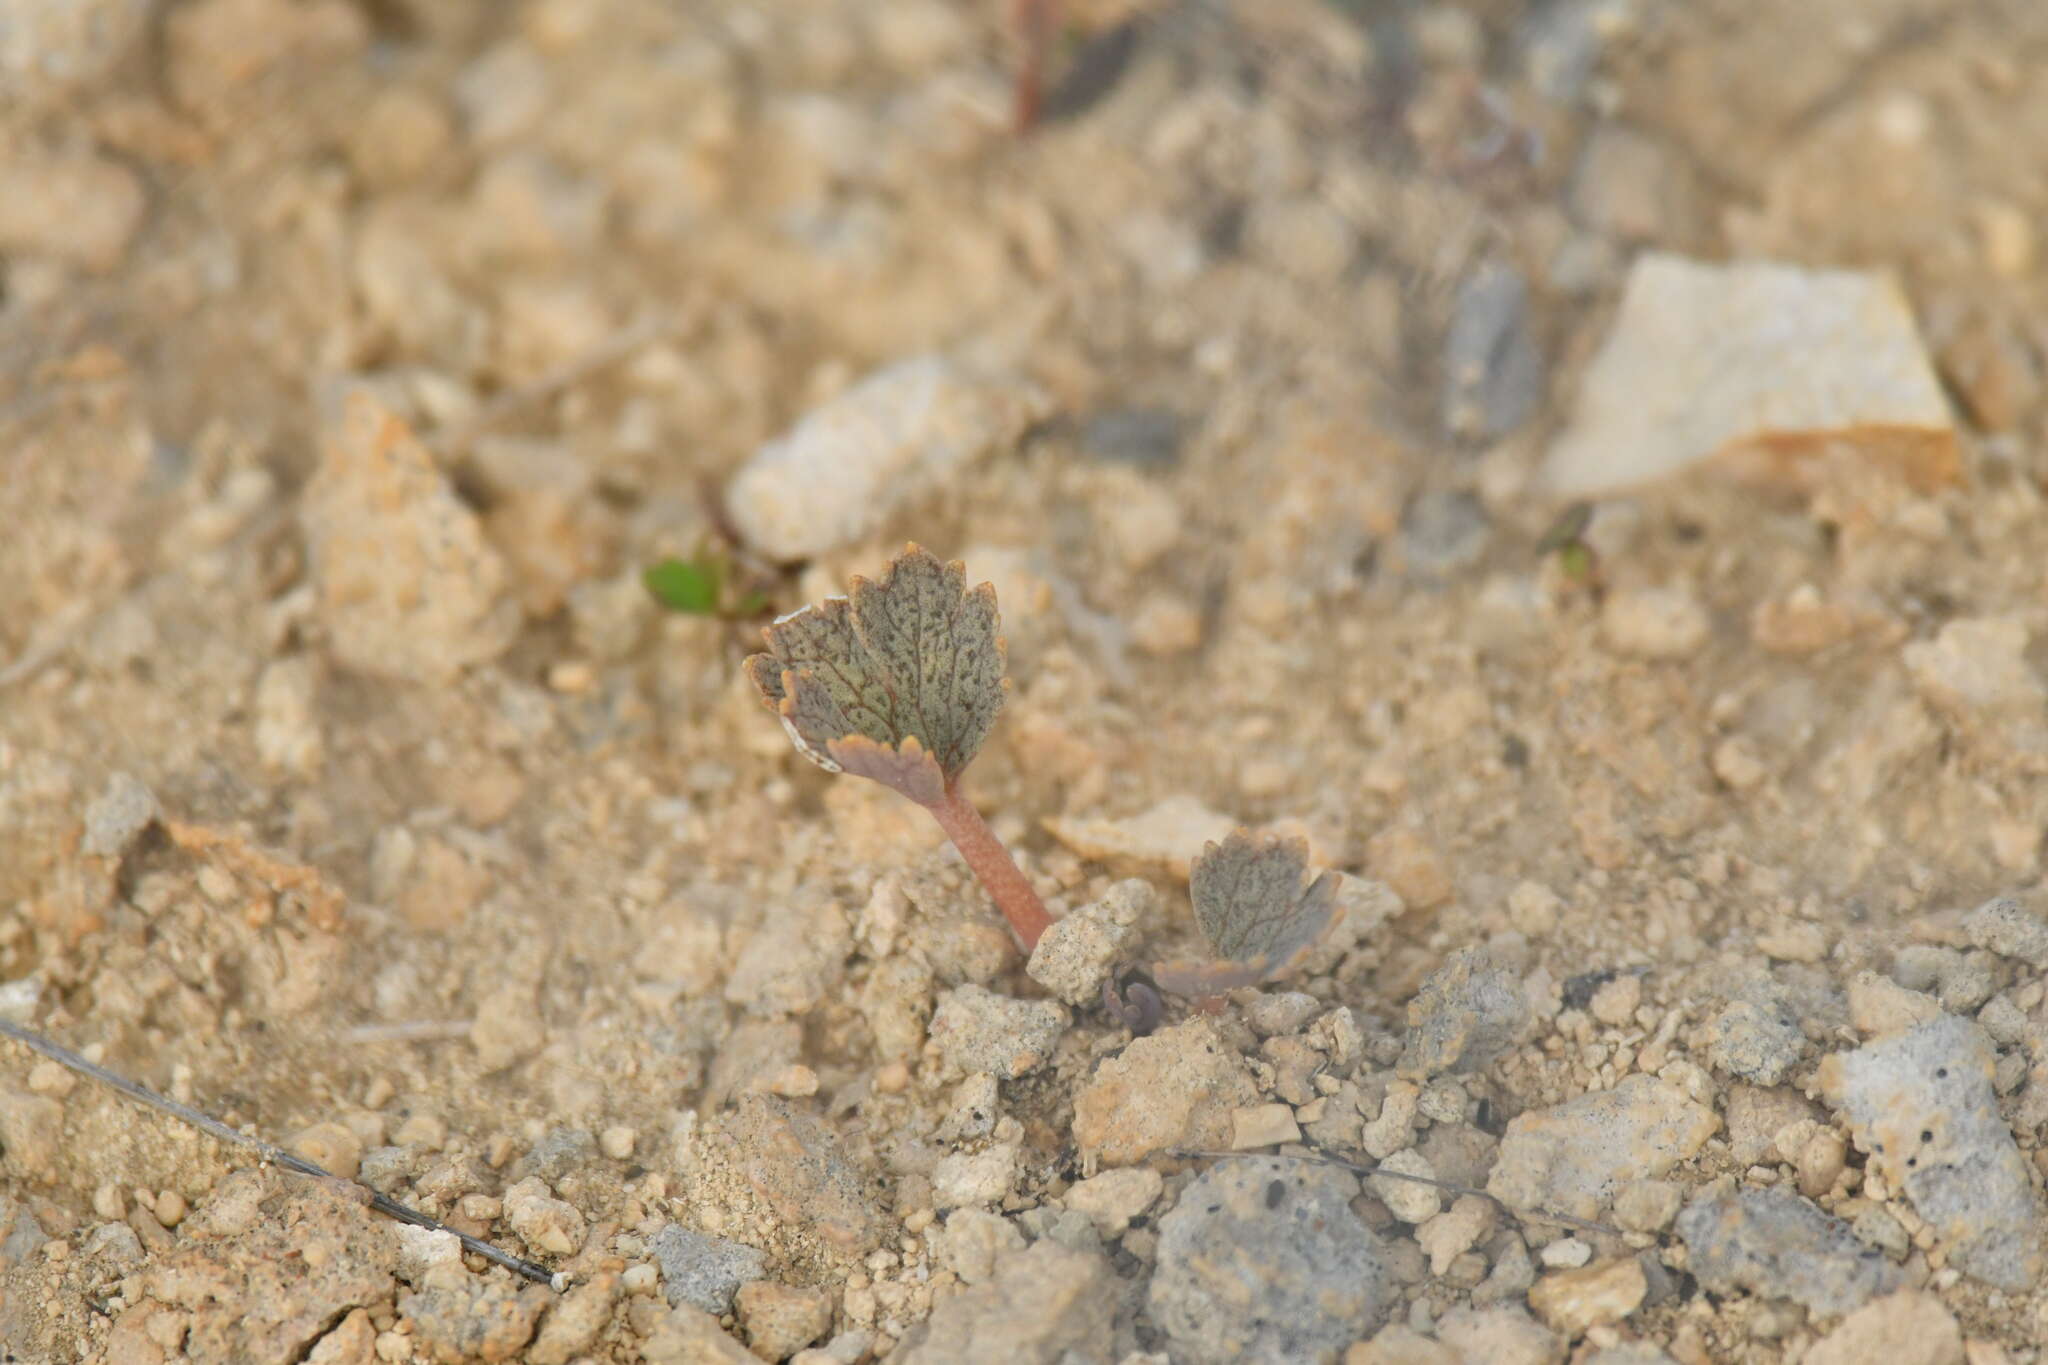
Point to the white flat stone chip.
(1758, 360)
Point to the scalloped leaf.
(908, 769)
(1261, 921)
(899, 681)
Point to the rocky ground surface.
(357, 358)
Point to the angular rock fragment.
(1263, 1260)
(1571, 1158)
(1921, 1104)
(1761, 361)
(1774, 1244)
(850, 462)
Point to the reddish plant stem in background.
(993, 864)
(1035, 21)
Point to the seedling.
(1259, 918)
(1566, 539)
(702, 585)
(900, 682)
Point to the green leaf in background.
(689, 585)
(1577, 560)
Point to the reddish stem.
(1036, 21)
(992, 863)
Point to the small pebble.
(971, 1179)
(781, 1319)
(795, 1081)
(1262, 1259)
(1262, 1125)
(544, 1222)
(425, 1131)
(50, 1078)
(333, 1146)
(1615, 1003)
(1654, 623)
(1566, 1253)
(617, 1141)
(1493, 372)
(908, 428)
(170, 1208)
(1112, 1199)
(571, 677)
(1411, 1201)
(1573, 1302)
(485, 1208)
(83, 210)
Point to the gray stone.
(2004, 1020)
(1263, 1260)
(385, 1169)
(1562, 43)
(1630, 186)
(1966, 982)
(1921, 1103)
(1444, 531)
(1631, 1353)
(1069, 1227)
(2005, 927)
(1078, 953)
(1512, 1274)
(117, 817)
(115, 1245)
(1573, 1157)
(1277, 1013)
(1755, 1037)
(558, 1153)
(1493, 373)
(704, 1272)
(1468, 1012)
(21, 1236)
(1775, 1244)
(1877, 1226)
(1919, 965)
(975, 1029)
(1149, 438)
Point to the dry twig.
(278, 1156)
